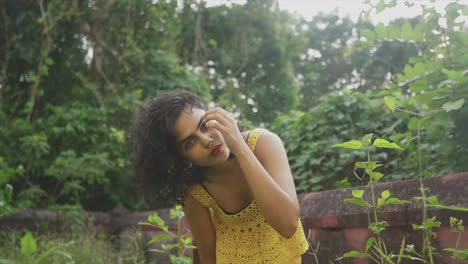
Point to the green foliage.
(375, 247)
(183, 241)
(31, 254)
(308, 135)
(72, 75)
(76, 243)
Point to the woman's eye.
(188, 143)
(203, 126)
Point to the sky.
(351, 8)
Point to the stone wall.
(332, 226)
(339, 227)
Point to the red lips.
(216, 150)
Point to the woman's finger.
(215, 124)
(220, 111)
(218, 117)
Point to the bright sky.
(352, 8)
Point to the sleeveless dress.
(246, 237)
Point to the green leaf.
(155, 219)
(450, 106)
(168, 247)
(381, 31)
(380, 6)
(159, 238)
(461, 254)
(396, 201)
(367, 139)
(386, 194)
(390, 102)
(453, 75)
(358, 193)
(369, 243)
(413, 124)
(378, 227)
(448, 207)
(427, 225)
(433, 200)
(380, 202)
(367, 34)
(28, 244)
(407, 31)
(353, 144)
(360, 165)
(357, 201)
(382, 143)
(355, 254)
(376, 176)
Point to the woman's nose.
(206, 140)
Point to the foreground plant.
(31, 254)
(375, 248)
(183, 241)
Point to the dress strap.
(202, 196)
(253, 138)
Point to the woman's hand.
(225, 122)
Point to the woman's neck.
(224, 173)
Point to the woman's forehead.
(187, 122)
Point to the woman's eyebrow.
(187, 138)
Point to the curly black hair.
(162, 173)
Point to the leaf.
(159, 238)
(380, 202)
(453, 75)
(413, 124)
(358, 201)
(367, 34)
(407, 31)
(355, 254)
(396, 201)
(28, 244)
(155, 219)
(382, 143)
(369, 243)
(458, 253)
(380, 6)
(433, 200)
(381, 31)
(450, 106)
(353, 144)
(376, 176)
(390, 102)
(427, 225)
(448, 207)
(358, 193)
(377, 227)
(386, 194)
(367, 139)
(360, 165)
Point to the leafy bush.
(308, 135)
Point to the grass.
(78, 244)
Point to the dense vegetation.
(73, 72)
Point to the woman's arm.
(199, 220)
(268, 176)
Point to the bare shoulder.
(269, 137)
(269, 143)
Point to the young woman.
(236, 187)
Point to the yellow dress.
(246, 237)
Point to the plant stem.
(427, 233)
(374, 206)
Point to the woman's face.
(201, 145)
